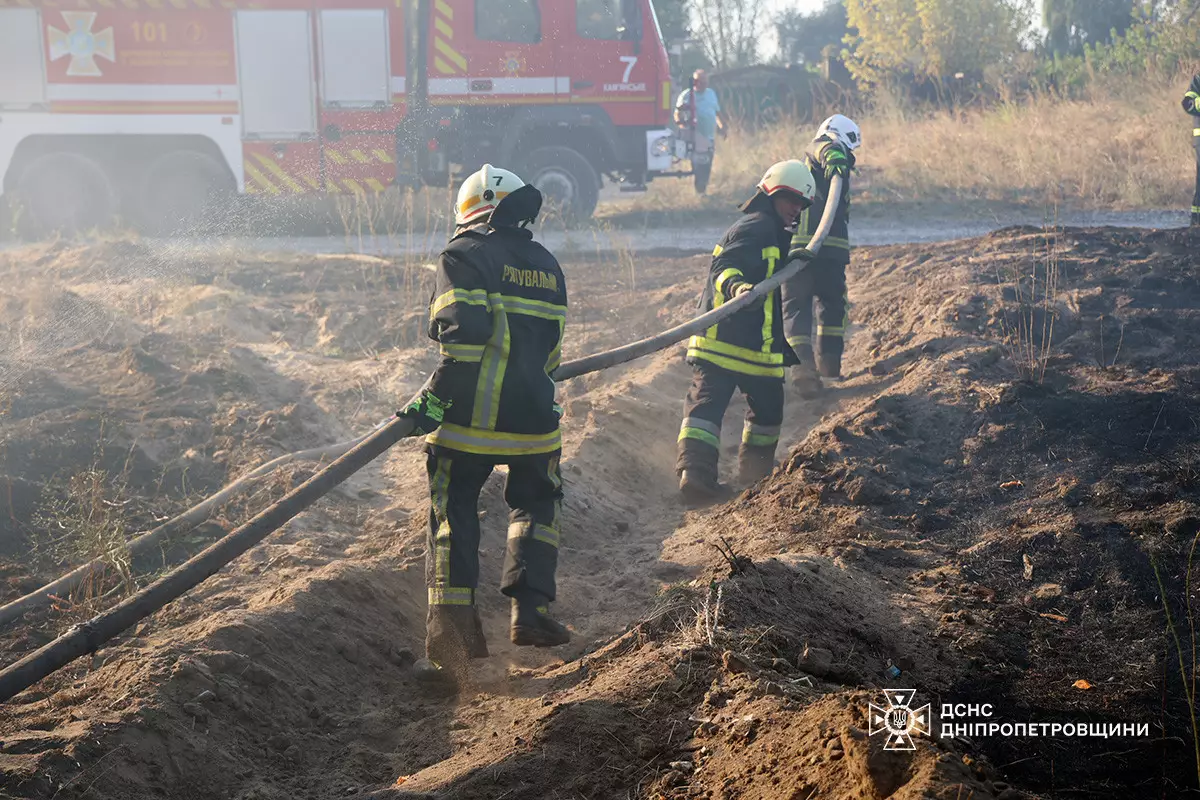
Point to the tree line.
(999, 44)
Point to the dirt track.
(989, 535)
(663, 233)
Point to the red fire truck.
(148, 109)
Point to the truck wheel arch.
(125, 157)
(64, 191)
(586, 129)
(177, 191)
(564, 150)
(568, 181)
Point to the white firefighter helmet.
(789, 176)
(481, 192)
(841, 129)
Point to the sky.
(775, 6)
(804, 5)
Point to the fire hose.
(352, 456)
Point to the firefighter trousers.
(825, 283)
(534, 493)
(704, 409)
(1196, 195)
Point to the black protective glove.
(426, 411)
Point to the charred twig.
(737, 563)
(1153, 427)
(1120, 340)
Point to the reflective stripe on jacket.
(751, 341)
(498, 313)
(829, 158)
(1191, 104)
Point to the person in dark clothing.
(824, 280)
(498, 313)
(747, 350)
(1191, 104)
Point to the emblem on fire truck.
(512, 64)
(81, 44)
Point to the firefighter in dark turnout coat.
(497, 313)
(824, 280)
(1191, 104)
(747, 350)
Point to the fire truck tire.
(180, 192)
(568, 183)
(65, 193)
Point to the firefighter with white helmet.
(747, 351)
(841, 129)
(824, 280)
(481, 192)
(497, 313)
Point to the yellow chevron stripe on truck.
(446, 60)
(265, 175)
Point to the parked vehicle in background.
(151, 110)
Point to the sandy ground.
(981, 505)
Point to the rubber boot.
(755, 463)
(806, 381)
(1195, 219)
(453, 636)
(532, 625)
(438, 679)
(700, 486)
(829, 361)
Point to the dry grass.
(1126, 147)
(83, 518)
(1028, 327)
(394, 217)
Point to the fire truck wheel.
(179, 192)
(64, 192)
(568, 183)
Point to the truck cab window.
(508, 21)
(598, 19)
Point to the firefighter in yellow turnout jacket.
(824, 280)
(1191, 104)
(497, 313)
(747, 350)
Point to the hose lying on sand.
(351, 457)
(184, 522)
